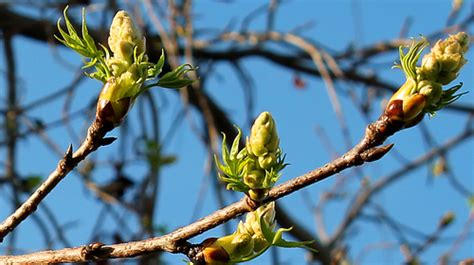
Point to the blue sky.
(335, 25)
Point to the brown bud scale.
(394, 109)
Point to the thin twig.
(11, 127)
(364, 196)
(70, 160)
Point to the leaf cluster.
(85, 46)
(408, 61)
(447, 97)
(274, 239)
(94, 57)
(234, 166)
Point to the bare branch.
(364, 196)
(93, 141)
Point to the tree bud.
(264, 140)
(254, 179)
(112, 109)
(432, 90)
(430, 67)
(405, 104)
(257, 194)
(445, 60)
(125, 37)
(265, 213)
(413, 106)
(447, 219)
(268, 160)
(213, 253)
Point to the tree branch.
(95, 139)
(364, 197)
(366, 151)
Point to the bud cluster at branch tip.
(423, 91)
(251, 239)
(124, 70)
(255, 168)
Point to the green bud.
(250, 240)
(242, 245)
(125, 37)
(266, 211)
(430, 67)
(268, 160)
(405, 104)
(121, 89)
(225, 249)
(446, 59)
(113, 105)
(258, 194)
(422, 91)
(255, 168)
(264, 140)
(254, 179)
(124, 70)
(431, 90)
(451, 62)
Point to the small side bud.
(432, 90)
(447, 219)
(377, 152)
(254, 178)
(249, 241)
(257, 194)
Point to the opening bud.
(430, 67)
(406, 104)
(448, 56)
(112, 110)
(264, 140)
(125, 37)
(213, 253)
